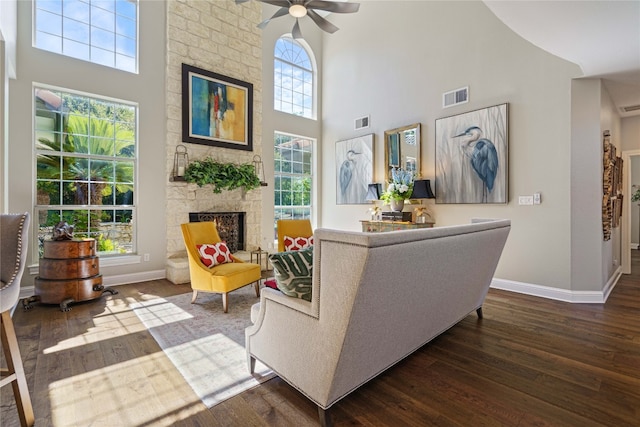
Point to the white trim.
(144, 276)
(626, 214)
(635, 246)
(566, 295)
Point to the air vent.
(630, 108)
(362, 122)
(455, 97)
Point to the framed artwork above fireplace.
(216, 110)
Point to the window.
(293, 80)
(85, 168)
(293, 159)
(101, 31)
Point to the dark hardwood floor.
(529, 362)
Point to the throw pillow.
(292, 271)
(214, 254)
(297, 243)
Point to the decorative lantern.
(180, 162)
(258, 166)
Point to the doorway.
(631, 211)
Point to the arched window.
(293, 78)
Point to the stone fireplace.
(230, 225)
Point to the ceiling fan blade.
(332, 6)
(281, 3)
(321, 22)
(296, 33)
(280, 12)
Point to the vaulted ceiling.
(602, 37)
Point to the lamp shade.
(422, 189)
(374, 192)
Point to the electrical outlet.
(146, 257)
(536, 198)
(525, 200)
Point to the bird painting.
(346, 171)
(472, 155)
(483, 157)
(354, 169)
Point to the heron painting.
(354, 169)
(471, 157)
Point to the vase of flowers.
(635, 197)
(399, 189)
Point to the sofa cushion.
(214, 254)
(297, 243)
(292, 271)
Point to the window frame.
(312, 177)
(313, 70)
(93, 28)
(132, 203)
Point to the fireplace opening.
(230, 225)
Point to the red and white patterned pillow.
(297, 243)
(214, 254)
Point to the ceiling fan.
(301, 8)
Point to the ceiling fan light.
(297, 10)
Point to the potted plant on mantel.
(222, 176)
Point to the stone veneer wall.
(222, 37)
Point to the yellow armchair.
(222, 278)
(293, 228)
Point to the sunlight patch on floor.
(119, 395)
(115, 320)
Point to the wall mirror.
(402, 150)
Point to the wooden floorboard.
(528, 362)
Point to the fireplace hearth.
(230, 225)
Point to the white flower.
(391, 187)
(403, 188)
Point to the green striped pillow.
(292, 271)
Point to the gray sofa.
(377, 297)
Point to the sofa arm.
(275, 296)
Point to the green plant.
(635, 197)
(223, 176)
(400, 187)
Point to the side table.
(259, 254)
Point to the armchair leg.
(324, 417)
(479, 313)
(15, 372)
(252, 365)
(194, 296)
(257, 286)
(225, 301)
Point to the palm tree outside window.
(85, 168)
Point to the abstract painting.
(354, 169)
(472, 156)
(216, 110)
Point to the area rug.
(205, 344)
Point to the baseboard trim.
(576, 297)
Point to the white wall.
(398, 76)
(146, 88)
